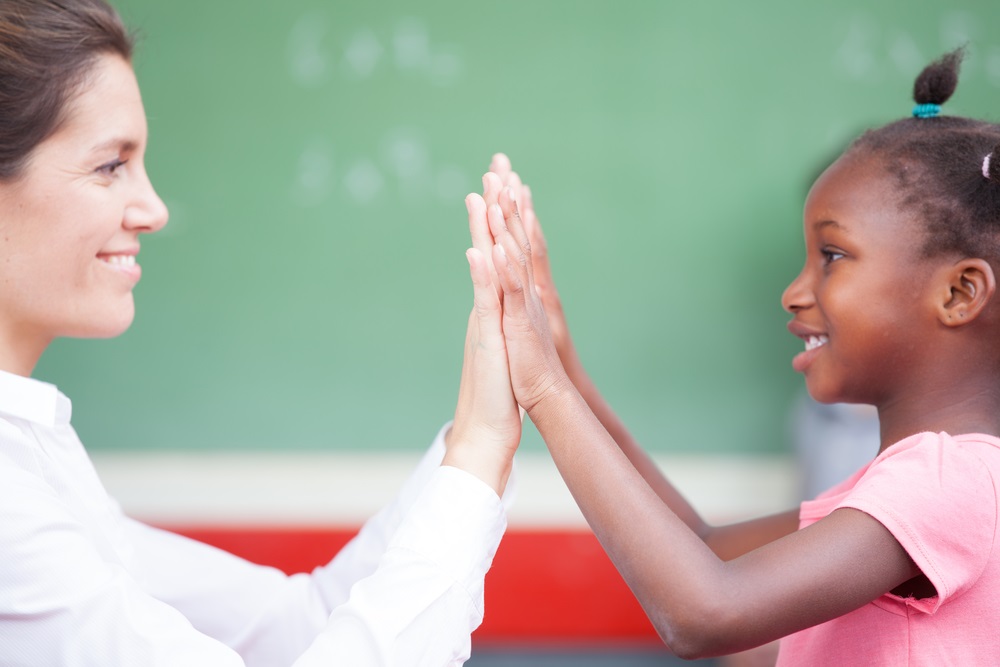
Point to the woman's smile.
(124, 263)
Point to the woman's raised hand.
(487, 427)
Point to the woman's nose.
(146, 212)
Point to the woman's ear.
(969, 288)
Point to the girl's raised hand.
(542, 270)
(535, 368)
(487, 427)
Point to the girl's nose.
(798, 294)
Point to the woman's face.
(70, 225)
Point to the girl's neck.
(968, 409)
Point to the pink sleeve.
(938, 499)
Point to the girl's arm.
(726, 541)
(699, 603)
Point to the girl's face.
(70, 226)
(860, 302)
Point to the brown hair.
(940, 167)
(47, 48)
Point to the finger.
(500, 165)
(479, 228)
(536, 237)
(513, 222)
(526, 207)
(513, 181)
(516, 187)
(485, 299)
(516, 263)
(491, 188)
(510, 279)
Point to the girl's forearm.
(638, 457)
(672, 572)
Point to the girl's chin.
(823, 394)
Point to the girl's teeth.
(815, 341)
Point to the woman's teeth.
(119, 260)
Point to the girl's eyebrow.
(823, 224)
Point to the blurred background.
(310, 291)
(310, 294)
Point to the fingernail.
(502, 251)
(510, 193)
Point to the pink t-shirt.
(938, 495)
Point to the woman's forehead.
(108, 107)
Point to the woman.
(80, 583)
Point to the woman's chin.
(110, 325)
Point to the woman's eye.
(111, 167)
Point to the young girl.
(896, 306)
(81, 583)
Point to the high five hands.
(517, 339)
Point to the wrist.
(491, 465)
(554, 397)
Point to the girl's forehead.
(856, 194)
(854, 181)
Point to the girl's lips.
(814, 343)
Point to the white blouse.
(82, 584)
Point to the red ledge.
(545, 586)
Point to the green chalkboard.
(311, 290)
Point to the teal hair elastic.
(926, 110)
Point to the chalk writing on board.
(308, 62)
(405, 46)
(401, 163)
(314, 174)
(402, 166)
(870, 51)
(363, 181)
(362, 54)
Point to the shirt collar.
(33, 400)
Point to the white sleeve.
(420, 606)
(66, 599)
(361, 555)
(268, 617)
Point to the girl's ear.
(969, 289)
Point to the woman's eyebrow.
(121, 143)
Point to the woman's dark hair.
(47, 49)
(941, 167)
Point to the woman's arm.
(699, 603)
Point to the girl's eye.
(830, 255)
(111, 167)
